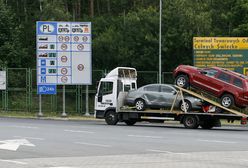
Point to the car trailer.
(190, 119)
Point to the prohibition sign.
(64, 71)
(64, 79)
(64, 58)
(64, 47)
(80, 67)
(80, 47)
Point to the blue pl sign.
(47, 89)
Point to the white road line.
(245, 160)
(145, 136)
(12, 161)
(34, 138)
(91, 144)
(79, 131)
(28, 127)
(63, 167)
(216, 141)
(168, 152)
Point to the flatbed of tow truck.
(190, 119)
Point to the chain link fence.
(21, 92)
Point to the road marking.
(28, 127)
(91, 144)
(12, 161)
(33, 138)
(144, 136)
(216, 141)
(78, 131)
(14, 144)
(168, 152)
(63, 167)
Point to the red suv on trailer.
(229, 86)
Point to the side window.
(127, 88)
(152, 88)
(224, 77)
(106, 88)
(238, 82)
(133, 86)
(211, 72)
(166, 89)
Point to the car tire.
(130, 122)
(227, 100)
(191, 121)
(111, 118)
(140, 105)
(182, 81)
(188, 105)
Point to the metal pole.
(160, 29)
(87, 101)
(40, 114)
(64, 113)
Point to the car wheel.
(191, 121)
(227, 100)
(140, 105)
(130, 122)
(182, 81)
(188, 106)
(111, 118)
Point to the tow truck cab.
(120, 79)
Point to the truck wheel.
(191, 121)
(140, 105)
(182, 81)
(111, 118)
(207, 125)
(130, 122)
(187, 105)
(227, 100)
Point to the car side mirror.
(174, 92)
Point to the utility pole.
(160, 30)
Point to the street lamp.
(160, 22)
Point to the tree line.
(125, 32)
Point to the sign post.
(2, 80)
(63, 56)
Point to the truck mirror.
(99, 98)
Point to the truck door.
(106, 95)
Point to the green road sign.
(226, 52)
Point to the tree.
(12, 53)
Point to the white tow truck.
(112, 90)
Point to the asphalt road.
(28, 143)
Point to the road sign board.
(226, 52)
(2, 80)
(47, 89)
(63, 47)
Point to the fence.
(21, 93)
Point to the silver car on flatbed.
(160, 96)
